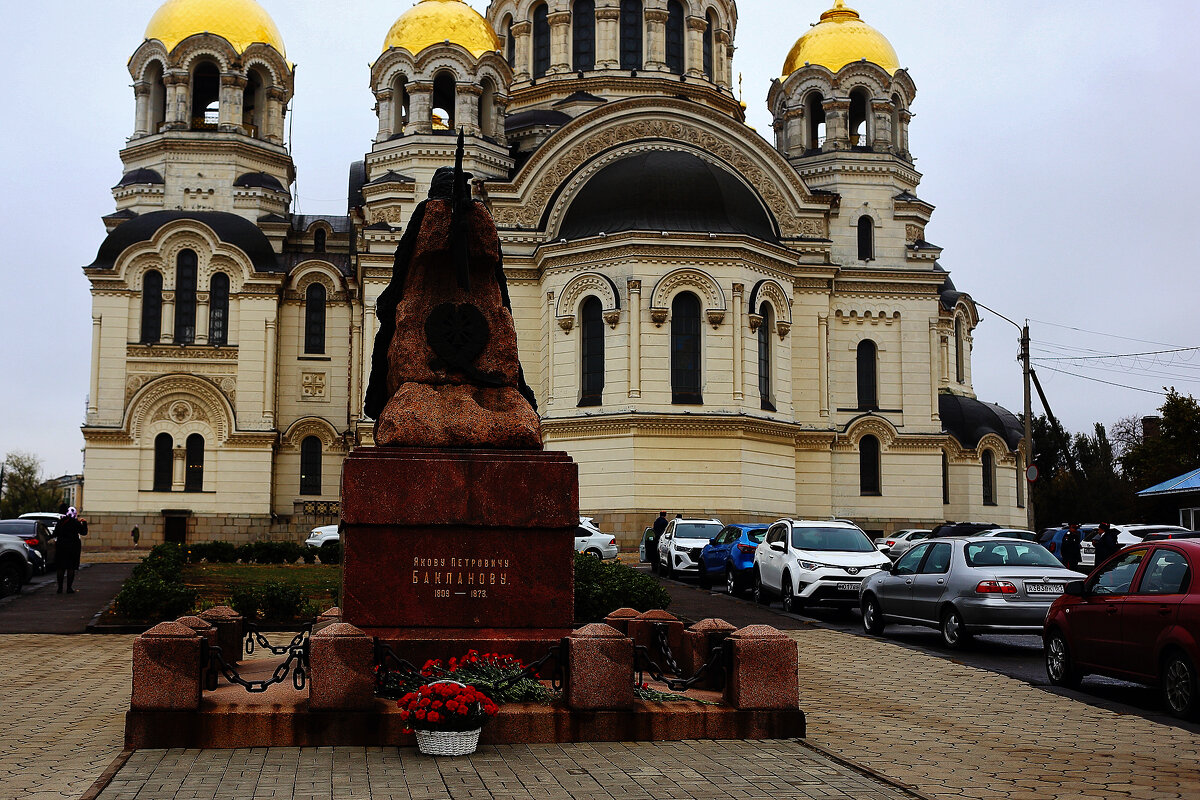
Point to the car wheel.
(1179, 687)
(594, 553)
(669, 569)
(954, 632)
(760, 591)
(732, 585)
(787, 595)
(872, 616)
(10, 579)
(1060, 669)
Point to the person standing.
(656, 533)
(68, 545)
(1071, 547)
(1105, 543)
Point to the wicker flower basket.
(448, 743)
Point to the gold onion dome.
(841, 38)
(239, 22)
(432, 22)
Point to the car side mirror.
(713, 540)
(777, 546)
(886, 567)
(1076, 589)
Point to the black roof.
(140, 176)
(534, 117)
(391, 176)
(969, 420)
(339, 223)
(259, 180)
(580, 97)
(666, 190)
(229, 228)
(358, 176)
(949, 294)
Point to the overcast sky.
(1057, 140)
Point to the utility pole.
(1027, 444)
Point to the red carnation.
(433, 716)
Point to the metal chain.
(664, 647)
(646, 664)
(296, 664)
(254, 635)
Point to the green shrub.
(245, 553)
(603, 587)
(274, 601)
(164, 560)
(309, 555)
(147, 596)
(330, 553)
(221, 553)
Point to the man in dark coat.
(68, 545)
(1105, 542)
(1071, 547)
(660, 525)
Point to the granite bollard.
(763, 670)
(619, 619)
(699, 641)
(341, 669)
(230, 629)
(599, 669)
(201, 627)
(327, 618)
(166, 669)
(641, 630)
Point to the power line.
(1141, 372)
(1122, 355)
(1109, 383)
(1102, 333)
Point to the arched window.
(185, 297)
(814, 112)
(866, 238)
(487, 108)
(860, 118)
(541, 41)
(945, 479)
(510, 42)
(193, 476)
(685, 349)
(218, 309)
(583, 35)
(631, 34)
(959, 361)
(314, 319)
(399, 104)
(592, 343)
(310, 465)
(868, 466)
(163, 453)
(675, 36)
(764, 357)
(868, 395)
(989, 478)
(156, 107)
(151, 307)
(708, 45)
(253, 104)
(319, 236)
(444, 89)
(206, 96)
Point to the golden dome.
(432, 22)
(841, 38)
(239, 22)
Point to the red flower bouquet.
(446, 706)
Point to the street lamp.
(1027, 445)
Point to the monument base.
(417, 646)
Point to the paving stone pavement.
(945, 729)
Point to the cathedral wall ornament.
(875, 426)
(168, 397)
(577, 289)
(304, 427)
(162, 249)
(678, 280)
(658, 316)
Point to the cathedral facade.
(713, 323)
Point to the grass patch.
(215, 584)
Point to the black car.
(15, 566)
(34, 533)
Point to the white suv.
(814, 562)
(680, 545)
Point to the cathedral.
(713, 323)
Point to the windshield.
(17, 527)
(1009, 554)
(697, 530)
(845, 540)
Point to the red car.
(1137, 618)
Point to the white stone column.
(167, 330)
(201, 317)
(944, 359)
(94, 382)
(178, 114)
(654, 42)
(608, 15)
(635, 338)
(551, 324)
(723, 60)
(230, 106)
(466, 108)
(823, 362)
(560, 42)
(270, 369)
(355, 366)
(693, 48)
(178, 467)
(933, 371)
(273, 117)
(420, 107)
(521, 71)
(739, 377)
(383, 108)
(141, 114)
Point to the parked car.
(1137, 618)
(16, 567)
(325, 533)
(47, 518)
(589, 539)
(644, 556)
(34, 533)
(680, 544)
(899, 542)
(1126, 535)
(729, 557)
(966, 586)
(1051, 539)
(962, 529)
(805, 562)
(1011, 533)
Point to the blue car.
(729, 557)
(1051, 539)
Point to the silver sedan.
(899, 542)
(967, 586)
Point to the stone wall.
(113, 530)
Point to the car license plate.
(1043, 588)
(847, 587)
